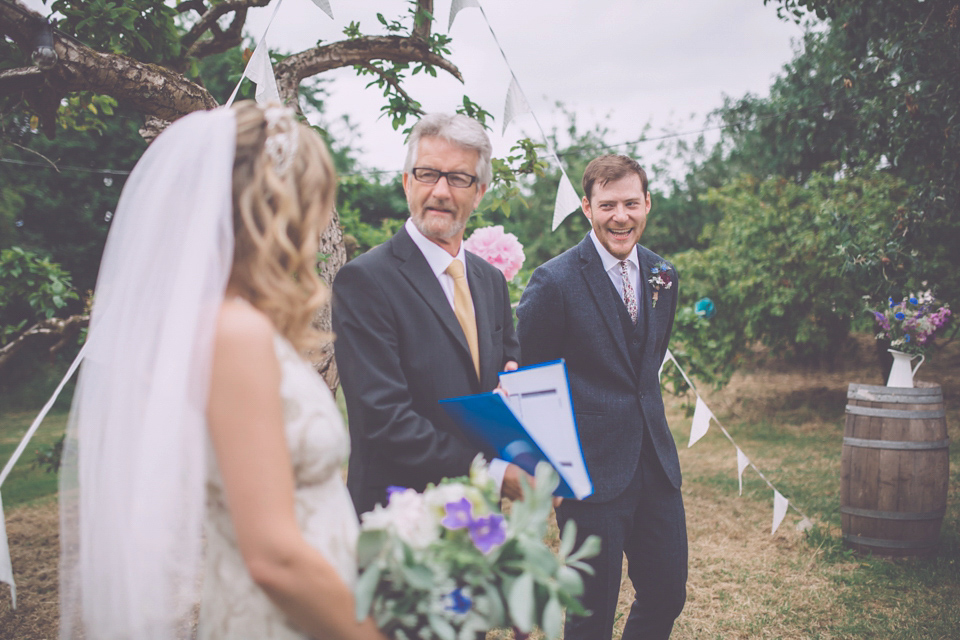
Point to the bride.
(203, 455)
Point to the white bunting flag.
(742, 462)
(457, 5)
(516, 104)
(701, 421)
(779, 510)
(325, 7)
(6, 567)
(260, 71)
(804, 525)
(667, 357)
(567, 200)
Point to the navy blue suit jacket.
(399, 351)
(571, 310)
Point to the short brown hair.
(609, 168)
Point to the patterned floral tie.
(629, 295)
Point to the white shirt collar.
(608, 260)
(437, 257)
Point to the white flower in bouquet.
(405, 515)
(481, 570)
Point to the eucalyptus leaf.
(442, 628)
(552, 618)
(589, 549)
(568, 538)
(365, 590)
(521, 603)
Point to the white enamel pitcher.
(901, 374)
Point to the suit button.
(636, 342)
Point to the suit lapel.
(606, 299)
(416, 270)
(481, 303)
(646, 260)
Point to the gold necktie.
(463, 309)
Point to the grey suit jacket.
(399, 351)
(571, 310)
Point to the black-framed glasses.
(454, 178)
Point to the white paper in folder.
(540, 398)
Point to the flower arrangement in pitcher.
(446, 564)
(911, 324)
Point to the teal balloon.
(705, 308)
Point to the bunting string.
(702, 416)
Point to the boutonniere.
(659, 279)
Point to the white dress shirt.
(439, 259)
(612, 266)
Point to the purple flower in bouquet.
(459, 514)
(500, 249)
(488, 532)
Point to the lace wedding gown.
(233, 606)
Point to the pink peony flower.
(500, 249)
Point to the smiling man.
(419, 319)
(607, 306)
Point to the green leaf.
(365, 590)
(589, 549)
(442, 628)
(552, 617)
(521, 602)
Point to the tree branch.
(63, 329)
(392, 82)
(423, 19)
(20, 79)
(358, 51)
(209, 18)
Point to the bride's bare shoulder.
(239, 322)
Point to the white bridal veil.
(132, 487)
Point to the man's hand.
(511, 366)
(512, 487)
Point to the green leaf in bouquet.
(552, 622)
(443, 629)
(521, 602)
(589, 549)
(365, 590)
(417, 576)
(567, 539)
(538, 558)
(569, 581)
(369, 545)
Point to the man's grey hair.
(457, 129)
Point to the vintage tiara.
(282, 138)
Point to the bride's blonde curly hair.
(278, 217)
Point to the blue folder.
(488, 422)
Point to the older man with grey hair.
(419, 319)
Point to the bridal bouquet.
(447, 564)
(910, 324)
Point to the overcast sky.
(633, 61)
(627, 62)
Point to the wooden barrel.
(895, 468)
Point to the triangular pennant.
(457, 5)
(804, 525)
(742, 462)
(260, 71)
(325, 7)
(516, 104)
(667, 357)
(248, 70)
(779, 510)
(567, 200)
(701, 421)
(6, 567)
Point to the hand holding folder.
(529, 419)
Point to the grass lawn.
(743, 583)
